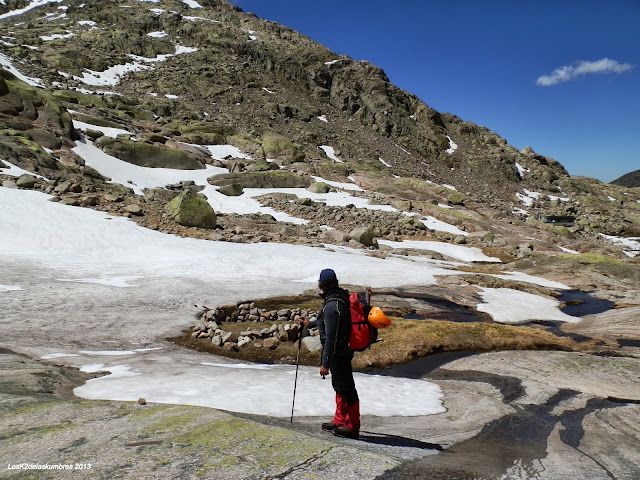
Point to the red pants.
(347, 413)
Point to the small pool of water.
(422, 366)
(556, 328)
(579, 303)
(461, 316)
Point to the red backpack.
(363, 334)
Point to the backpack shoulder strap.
(336, 298)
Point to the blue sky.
(560, 76)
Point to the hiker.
(334, 325)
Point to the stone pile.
(284, 326)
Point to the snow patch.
(459, 252)
(53, 356)
(57, 36)
(112, 75)
(331, 153)
(249, 389)
(630, 245)
(107, 131)
(31, 6)
(10, 288)
(344, 186)
(137, 177)
(16, 171)
(220, 152)
(521, 170)
(452, 146)
(383, 162)
(506, 306)
(8, 64)
(191, 4)
(122, 282)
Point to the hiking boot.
(329, 426)
(346, 432)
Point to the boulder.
(192, 210)
(232, 190)
(278, 146)
(229, 337)
(292, 333)
(134, 209)
(312, 343)
(271, 343)
(89, 201)
(44, 138)
(148, 154)
(319, 187)
(267, 179)
(232, 346)
(364, 236)
(26, 181)
(455, 199)
(306, 202)
(334, 236)
(261, 165)
(62, 187)
(113, 198)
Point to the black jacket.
(334, 325)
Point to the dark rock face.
(629, 180)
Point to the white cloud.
(568, 72)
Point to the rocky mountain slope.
(179, 76)
(628, 180)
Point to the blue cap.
(327, 276)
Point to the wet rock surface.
(550, 432)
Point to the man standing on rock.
(334, 325)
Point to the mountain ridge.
(628, 180)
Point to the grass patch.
(591, 259)
(404, 341)
(407, 340)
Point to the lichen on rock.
(191, 210)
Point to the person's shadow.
(397, 441)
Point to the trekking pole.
(295, 383)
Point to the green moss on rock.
(279, 146)
(268, 179)
(147, 154)
(455, 199)
(191, 210)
